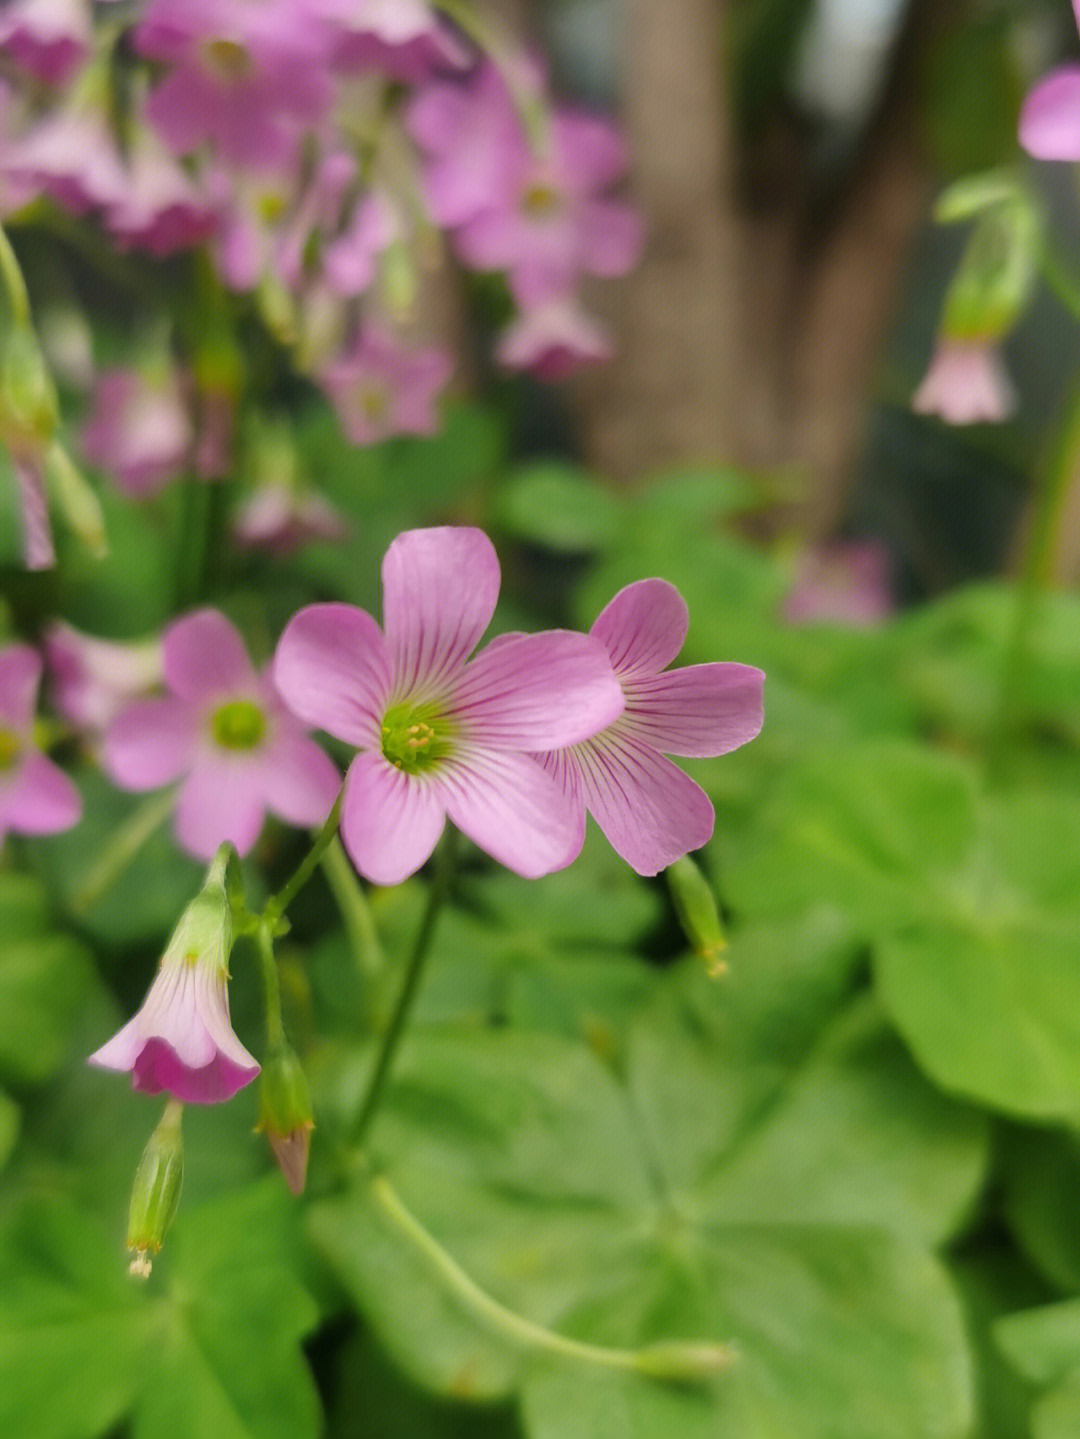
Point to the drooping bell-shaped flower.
(651, 812)
(181, 1040)
(966, 384)
(441, 735)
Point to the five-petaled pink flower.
(441, 736)
(224, 729)
(651, 812)
(181, 1040)
(36, 796)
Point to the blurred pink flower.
(36, 796)
(402, 39)
(71, 154)
(380, 389)
(38, 550)
(966, 384)
(280, 518)
(91, 679)
(846, 583)
(442, 736)
(139, 430)
(161, 208)
(651, 812)
(246, 76)
(552, 340)
(224, 732)
(46, 38)
(1050, 116)
(182, 1040)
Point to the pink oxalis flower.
(442, 736)
(139, 429)
(651, 812)
(1050, 116)
(224, 732)
(379, 389)
(848, 582)
(36, 796)
(966, 384)
(181, 1040)
(92, 680)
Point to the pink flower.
(1050, 116)
(552, 341)
(92, 680)
(280, 518)
(70, 154)
(845, 583)
(966, 384)
(161, 209)
(38, 551)
(402, 39)
(247, 76)
(650, 811)
(223, 730)
(36, 796)
(441, 736)
(139, 430)
(181, 1040)
(380, 389)
(46, 38)
(539, 214)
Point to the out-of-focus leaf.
(558, 507)
(1040, 1175)
(1044, 1344)
(209, 1345)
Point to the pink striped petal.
(439, 592)
(204, 656)
(150, 743)
(332, 670)
(650, 811)
(538, 692)
(299, 781)
(20, 675)
(643, 627)
(37, 797)
(220, 800)
(390, 821)
(1050, 117)
(699, 710)
(514, 810)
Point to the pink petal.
(299, 780)
(332, 670)
(390, 821)
(150, 743)
(591, 150)
(221, 799)
(533, 692)
(439, 592)
(514, 810)
(20, 675)
(122, 1050)
(158, 1069)
(203, 655)
(643, 627)
(1050, 117)
(650, 811)
(37, 797)
(699, 710)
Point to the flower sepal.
(155, 1194)
(285, 1115)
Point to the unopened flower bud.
(695, 906)
(155, 1194)
(689, 1362)
(29, 408)
(285, 1114)
(996, 278)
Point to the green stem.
(14, 284)
(355, 910)
(277, 904)
(1036, 574)
(192, 549)
(676, 1361)
(440, 887)
(271, 982)
(124, 844)
(486, 38)
(1059, 278)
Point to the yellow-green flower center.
(416, 738)
(227, 60)
(240, 724)
(540, 200)
(10, 745)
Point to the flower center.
(10, 745)
(416, 738)
(227, 60)
(540, 200)
(374, 404)
(238, 725)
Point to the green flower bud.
(155, 1194)
(29, 408)
(690, 1362)
(695, 906)
(996, 278)
(285, 1114)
